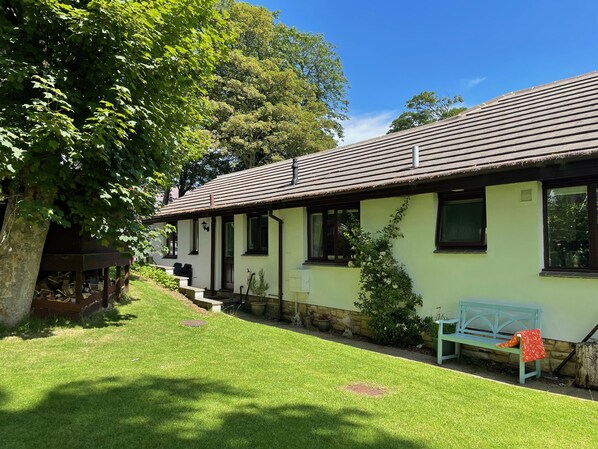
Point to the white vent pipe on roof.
(415, 156)
(295, 168)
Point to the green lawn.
(137, 379)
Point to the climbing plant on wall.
(386, 293)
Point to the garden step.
(182, 280)
(167, 269)
(192, 292)
(209, 304)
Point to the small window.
(172, 242)
(327, 242)
(571, 229)
(257, 234)
(461, 220)
(194, 237)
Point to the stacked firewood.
(60, 286)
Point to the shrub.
(157, 275)
(386, 291)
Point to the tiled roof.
(556, 121)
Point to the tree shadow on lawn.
(182, 413)
(42, 327)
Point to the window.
(257, 233)
(570, 226)
(172, 242)
(461, 220)
(325, 235)
(194, 237)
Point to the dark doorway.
(228, 253)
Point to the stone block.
(563, 346)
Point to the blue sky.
(392, 50)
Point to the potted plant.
(322, 322)
(258, 287)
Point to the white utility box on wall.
(299, 281)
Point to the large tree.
(99, 102)
(425, 108)
(281, 93)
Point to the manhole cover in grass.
(193, 323)
(365, 389)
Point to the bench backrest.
(496, 320)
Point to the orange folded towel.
(532, 347)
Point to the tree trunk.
(587, 365)
(22, 242)
(166, 196)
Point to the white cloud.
(365, 126)
(469, 84)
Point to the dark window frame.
(260, 224)
(444, 197)
(194, 237)
(172, 241)
(324, 211)
(592, 186)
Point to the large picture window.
(257, 233)
(571, 228)
(172, 242)
(326, 239)
(461, 220)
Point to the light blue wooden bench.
(484, 324)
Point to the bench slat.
(481, 342)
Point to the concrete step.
(192, 292)
(182, 280)
(168, 270)
(209, 304)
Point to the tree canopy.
(279, 94)
(99, 104)
(425, 108)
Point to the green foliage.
(259, 287)
(386, 291)
(316, 61)
(280, 93)
(157, 275)
(199, 171)
(99, 105)
(426, 108)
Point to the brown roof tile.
(553, 121)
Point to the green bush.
(386, 290)
(157, 275)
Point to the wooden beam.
(118, 282)
(106, 290)
(127, 277)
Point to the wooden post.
(118, 282)
(127, 275)
(106, 291)
(79, 287)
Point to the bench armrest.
(453, 321)
(441, 324)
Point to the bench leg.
(538, 369)
(521, 370)
(458, 350)
(439, 350)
